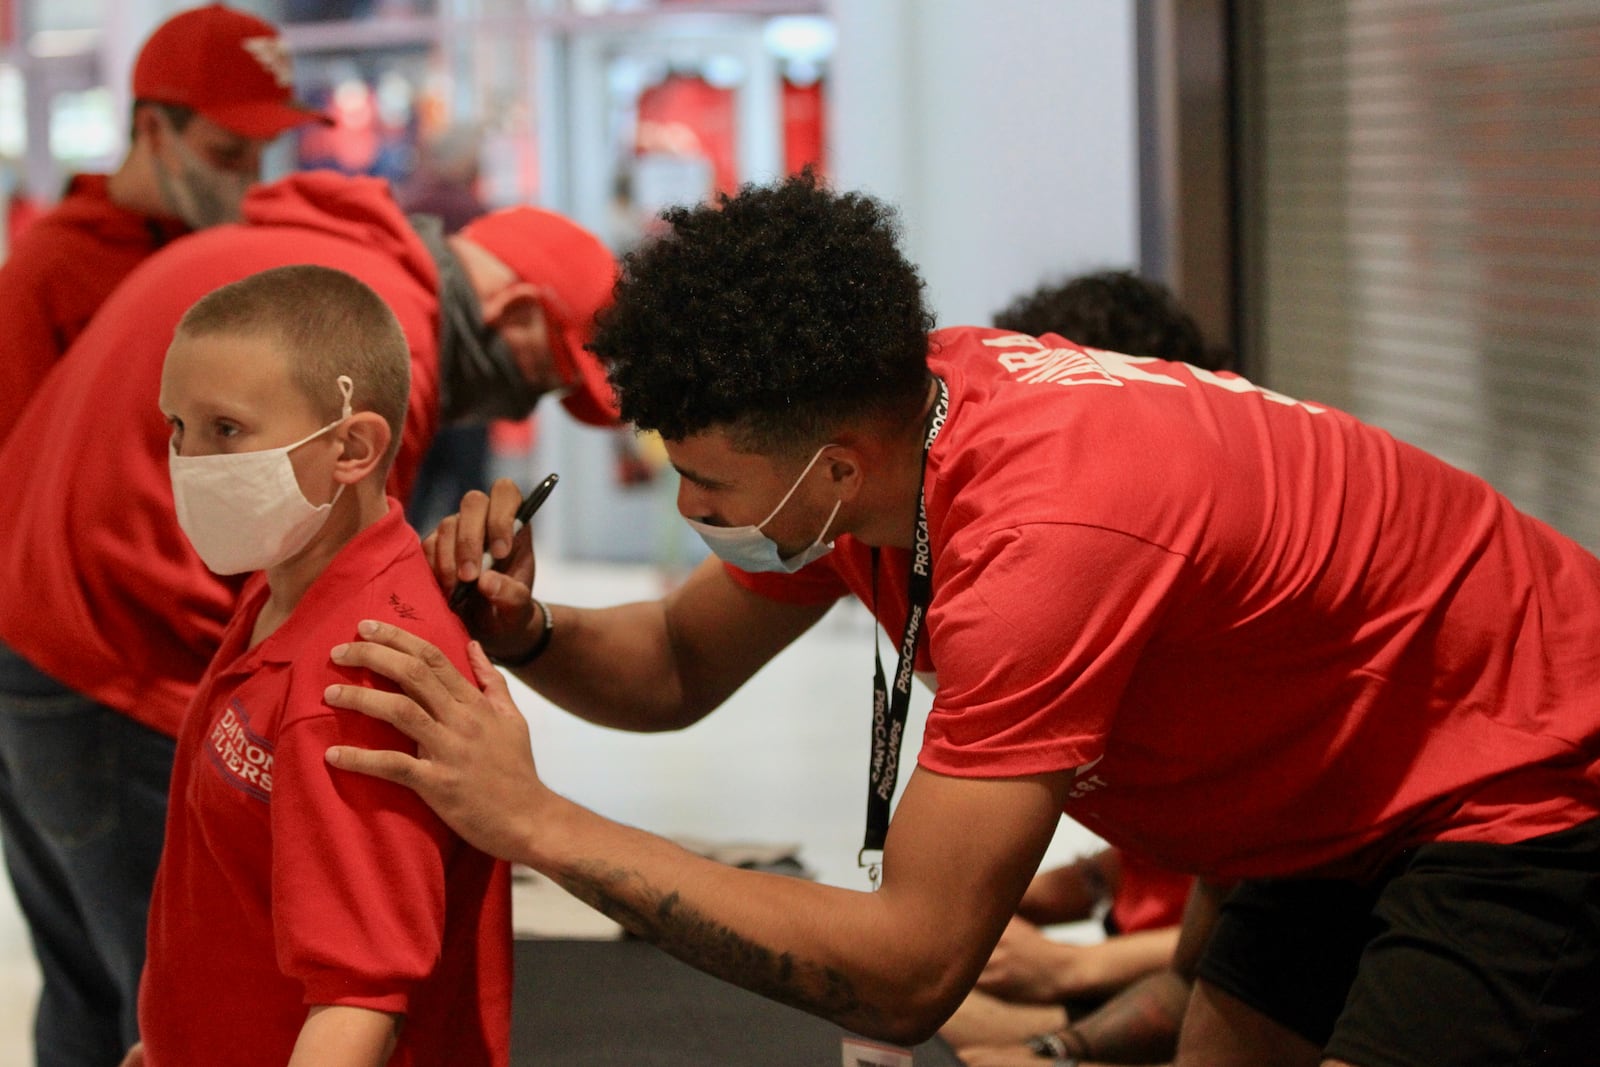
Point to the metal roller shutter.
(1420, 214)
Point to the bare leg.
(1222, 1031)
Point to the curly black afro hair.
(1116, 310)
(774, 315)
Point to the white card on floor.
(860, 1053)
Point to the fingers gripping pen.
(464, 591)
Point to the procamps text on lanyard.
(889, 711)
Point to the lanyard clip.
(874, 866)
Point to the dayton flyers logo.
(243, 757)
(273, 55)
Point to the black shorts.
(1462, 954)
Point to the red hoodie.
(58, 274)
(98, 586)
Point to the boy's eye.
(226, 429)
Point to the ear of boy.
(365, 438)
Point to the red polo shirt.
(286, 884)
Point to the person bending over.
(1244, 635)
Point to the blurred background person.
(445, 185)
(1118, 311)
(211, 89)
(445, 181)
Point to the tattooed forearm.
(663, 919)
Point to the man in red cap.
(108, 617)
(211, 89)
(566, 273)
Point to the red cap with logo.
(231, 67)
(574, 273)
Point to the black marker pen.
(530, 504)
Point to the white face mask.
(244, 511)
(747, 548)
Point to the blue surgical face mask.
(747, 548)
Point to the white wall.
(1003, 129)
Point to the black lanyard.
(889, 712)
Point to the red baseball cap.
(231, 67)
(574, 272)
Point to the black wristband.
(540, 643)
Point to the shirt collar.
(344, 581)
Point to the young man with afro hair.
(1246, 636)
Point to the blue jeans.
(83, 801)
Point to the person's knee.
(1220, 1030)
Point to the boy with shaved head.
(298, 918)
(108, 617)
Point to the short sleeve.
(358, 867)
(1035, 631)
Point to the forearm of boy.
(337, 1035)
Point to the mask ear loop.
(348, 388)
(795, 487)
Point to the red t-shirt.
(1271, 638)
(99, 588)
(1147, 897)
(285, 883)
(60, 271)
